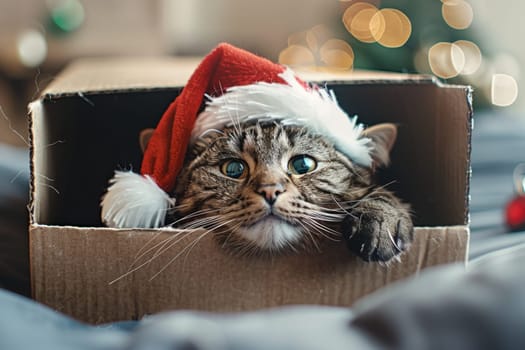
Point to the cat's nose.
(270, 192)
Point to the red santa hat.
(238, 87)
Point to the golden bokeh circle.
(317, 35)
(312, 41)
(377, 25)
(472, 55)
(338, 59)
(297, 38)
(352, 12)
(338, 54)
(296, 55)
(446, 60)
(458, 14)
(361, 25)
(397, 28)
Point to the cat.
(265, 187)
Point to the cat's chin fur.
(271, 233)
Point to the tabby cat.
(268, 187)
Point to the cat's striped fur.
(271, 208)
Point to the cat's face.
(267, 187)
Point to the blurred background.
(466, 42)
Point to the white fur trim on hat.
(133, 200)
(292, 104)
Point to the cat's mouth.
(273, 219)
(271, 232)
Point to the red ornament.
(515, 213)
(515, 210)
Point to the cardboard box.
(86, 124)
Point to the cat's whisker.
(176, 256)
(319, 228)
(138, 254)
(226, 224)
(203, 222)
(143, 264)
(345, 210)
(232, 232)
(194, 214)
(290, 245)
(327, 216)
(370, 196)
(332, 234)
(323, 214)
(323, 230)
(190, 226)
(170, 243)
(189, 246)
(309, 235)
(141, 253)
(362, 201)
(167, 244)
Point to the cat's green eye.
(301, 164)
(234, 168)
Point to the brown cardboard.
(77, 265)
(86, 124)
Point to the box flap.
(98, 75)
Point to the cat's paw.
(378, 236)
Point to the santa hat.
(238, 87)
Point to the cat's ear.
(144, 137)
(383, 136)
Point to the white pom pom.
(134, 201)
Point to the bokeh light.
(297, 55)
(317, 49)
(458, 14)
(397, 28)
(504, 90)
(317, 35)
(362, 26)
(446, 60)
(337, 54)
(298, 38)
(66, 15)
(472, 55)
(357, 19)
(31, 48)
(388, 27)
